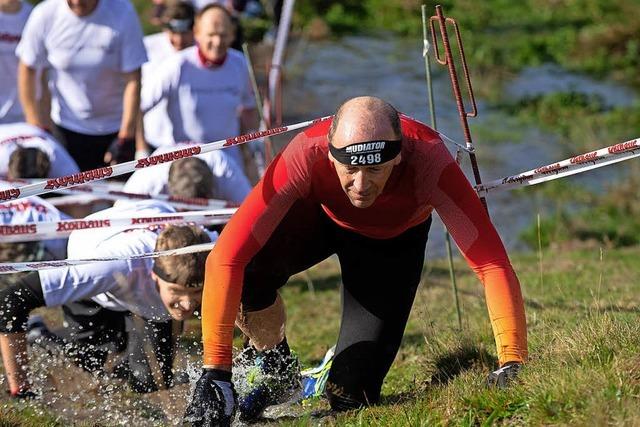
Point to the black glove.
(214, 400)
(121, 150)
(501, 378)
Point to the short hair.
(188, 269)
(212, 6)
(28, 162)
(387, 110)
(178, 10)
(191, 178)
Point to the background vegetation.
(584, 338)
(582, 304)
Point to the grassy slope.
(584, 339)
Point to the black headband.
(367, 153)
(164, 276)
(179, 25)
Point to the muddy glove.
(500, 378)
(214, 400)
(120, 150)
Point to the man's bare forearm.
(14, 358)
(27, 77)
(130, 105)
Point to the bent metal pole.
(121, 168)
(432, 114)
(449, 62)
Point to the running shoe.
(314, 380)
(265, 378)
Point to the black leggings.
(380, 278)
(87, 150)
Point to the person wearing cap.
(177, 22)
(362, 185)
(17, 138)
(93, 51)
(206, 86)
(102, 301)
(13, 16)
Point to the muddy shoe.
(265, 378)
(314, 379)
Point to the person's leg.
(91, 332)
(160, 335)
(266, 372)
(380, 279)
(150, 351)
(87, 150)
(301, 240)
(18, 296)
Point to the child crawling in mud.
(100, 299)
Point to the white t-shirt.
(230, 181)
(203, 104)
(123, 285)
(33, 209)
(28, 136)
(157, 126)
(11, 26)
(86, 57)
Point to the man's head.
(363, 170)
(82, 7)
(177, 20)
(180, 277)
(214, 32)
(191, 178)
(10, 6)
(28, 162)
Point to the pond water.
(320, 75)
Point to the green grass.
(584, 338)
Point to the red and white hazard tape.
(115, 193)
(16, 267)
(571, 166)
(33, 231)
(176, 202)
(126, 167)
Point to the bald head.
(214, 32)
(363, 174)
(365, 118)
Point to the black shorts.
(87, 150)
(379, 276)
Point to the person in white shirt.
(207, 86)
(18, 136)
(93, 52)
(13, 16)
(228, 181)
(98, 299)
(177, 21)
(15, 217)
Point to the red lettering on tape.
(623, 146)
(9, 230)
(10, 194)
(583, 158)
